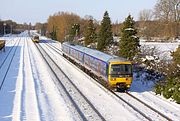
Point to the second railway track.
(4, 71)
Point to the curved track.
(83, 107)
(153, 111)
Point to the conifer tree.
(176, 56)
(74, 31)
(89, 34)
(53, 34)
(129, 42)
(105, 36)
(170, 87)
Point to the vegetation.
(63, 22)
(53, 34)
(105, 36)
(129, 42)
(90, 33)
(41, 28)
(9, 26)
(74, 32)
(162, 22)
(170, 87)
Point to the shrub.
(176, 94)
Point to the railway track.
(81, 105)
(144, 109)
(9, 51)
(6, 69)
(153, 112)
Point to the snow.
(30, 91)
(144, 91)
(129, 29)
(164, 49)
(109, 107)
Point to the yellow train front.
(120, 73)
(35, 39)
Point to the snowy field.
(29, 91)
(163, 49)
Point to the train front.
(120, 74)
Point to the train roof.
(95, 53)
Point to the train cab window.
(121, 69)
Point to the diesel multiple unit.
(115, 71)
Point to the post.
(4, 28)
(11, 29)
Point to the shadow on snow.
(47, 41)
(8, 82)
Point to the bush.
(158, 88)
(170, 88)
(168, 92)
(176, 94)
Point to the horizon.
(36, 11)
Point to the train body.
(35, 38)
(2, 44)
(114, 70)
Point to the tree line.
(162, 22)
(11, 27)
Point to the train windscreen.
(119, 70)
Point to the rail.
(134, 107)
(68, 85)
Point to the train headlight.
(113, 79)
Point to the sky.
(34, 11)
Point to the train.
(35, 38)
(114, 71)
(2, 44)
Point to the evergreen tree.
(53, 34)
(89, 34)
(170, 88)
(74, 31)
(105, 36)
(176, 56)
(129, 42)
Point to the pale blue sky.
(39, 10)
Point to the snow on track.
(103, 101)
(8, 89)
(168, 109)
(30, 91)
(51, 104)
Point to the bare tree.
(145, 15)
(176, 5)
(167, 10)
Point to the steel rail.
(142, 113)
(9, 66)
(7, 55)
(74, 103)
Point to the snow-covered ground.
(29, 91)
(163, 49)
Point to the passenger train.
(35, 38)
(115, 71)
